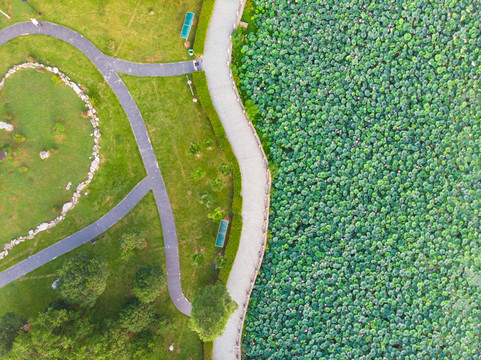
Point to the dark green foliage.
(55, 334)
(10, 326)
(216, 184)
(211, 308)
(136, 316)
(220, 262)
(225, 169)
(131, 242)
(145, 346)
(194, 148)
(372, 114)
(208, 143)
(149, 282)
(205, 198)
(216, 215)
(198, 174)
(82, 280)
(197, 258)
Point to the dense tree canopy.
(372, 115)
(211, 308)
(10, 326)
(149, 282)
(136, 316)
(82, 280)
(55, 334)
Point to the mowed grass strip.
(176, 124)
(33, 190)
(33, 292)
(121, 166)
(135, 30)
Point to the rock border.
(94, 165)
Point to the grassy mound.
(46, 115)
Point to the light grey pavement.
(253, 167)
(79, 238)
(105, 66)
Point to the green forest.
(371, 114)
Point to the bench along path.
(253, 167)
(109, 67)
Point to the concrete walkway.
(253, 167)
(107, 67)
(79, 238)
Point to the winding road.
(109, 67)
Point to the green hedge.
(202, 25)
(236, 222)
(208, 349)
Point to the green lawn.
(121, 167)
(34, 110)
(185, 145)
(35, 292)
(144, 31)
(174, 123)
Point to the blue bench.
(219, 242)
(189, 18)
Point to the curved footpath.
(109, 67)
(253, 167)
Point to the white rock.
(66, 207)
(44, 154)
(6, 126)
(42, 227)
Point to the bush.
(131, 242)
(216, 215)
(202, 26)
(197, 258)
(19, 138)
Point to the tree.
(211, 308)
(55, 334)
(149, 282)
(136, 316)
(10, 326)
(130, 242)
(82, 280)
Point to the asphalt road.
(109, 67)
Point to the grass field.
(121, 167)
(174, 123)
(34, 110)
(143, 31)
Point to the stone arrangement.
(94, 165)
(6, 126)
(44, 154)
